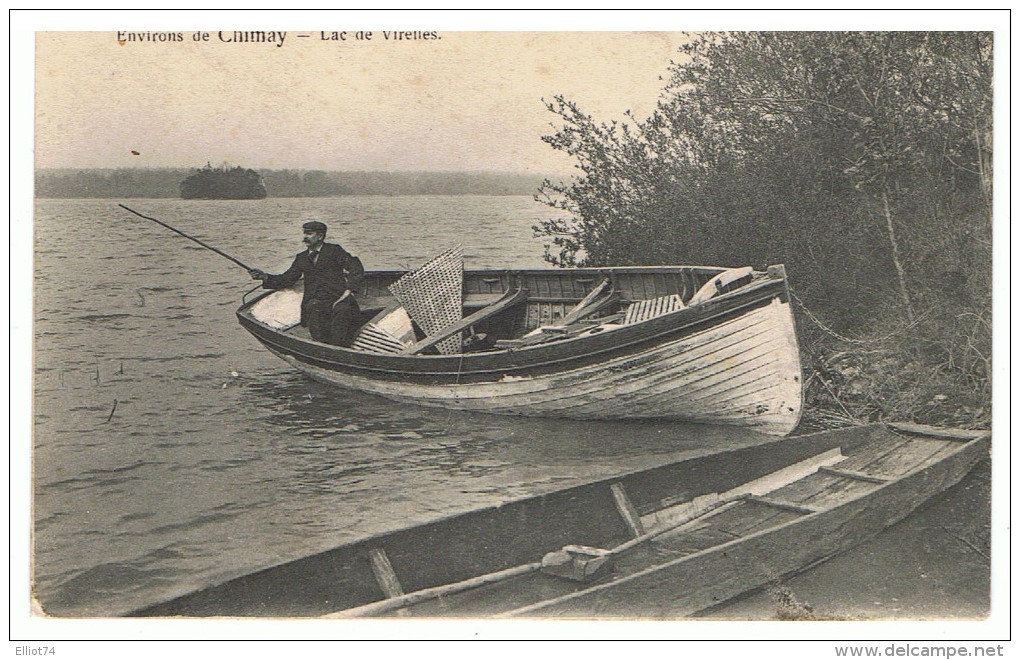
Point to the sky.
(470, 100)
(464, 101)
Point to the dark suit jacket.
(327, 279)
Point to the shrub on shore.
(860, 160)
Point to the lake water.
(172, 452)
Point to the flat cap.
(314, 225)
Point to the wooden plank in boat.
(766, 484)
(886, 444)
(783, 505)
(823, 490)
(384, 573)
(728, 526)
(626, 509)
(778, 517)
(741, 520)
(710, 511)
(493, 597)
(382, 302)
(936, 432)
(852, 474)
(473, 300)
(738, 520)
(915, 453)
(737, 470)
(389, 331)
(649, 309)
(695, 540)
(487, 600)
(590, 304)
(949, 448)
(508, 300)
(401, 601)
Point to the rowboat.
(702, 344)
(668, 541)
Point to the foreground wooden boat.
(664, 542)
(709, 345)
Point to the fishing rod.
(205, 245)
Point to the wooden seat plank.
(509, 299)
(588, 305)
(380, 303)
(854, 474)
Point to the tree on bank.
(861, 160)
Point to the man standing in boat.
(328, 307)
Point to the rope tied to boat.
(460, 366)
(850, 340)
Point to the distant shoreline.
(164, 183)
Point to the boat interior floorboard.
(915, 453)
(823, 490)
(945, 450)
(747, 516)
(869, 454)
(697, 540)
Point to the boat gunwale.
(581, 270)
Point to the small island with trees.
(224, 183)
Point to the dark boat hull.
(495, 549)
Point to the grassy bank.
(934, 371)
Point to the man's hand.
(257, 274)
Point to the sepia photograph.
(674, 325)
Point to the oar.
(205, 245)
